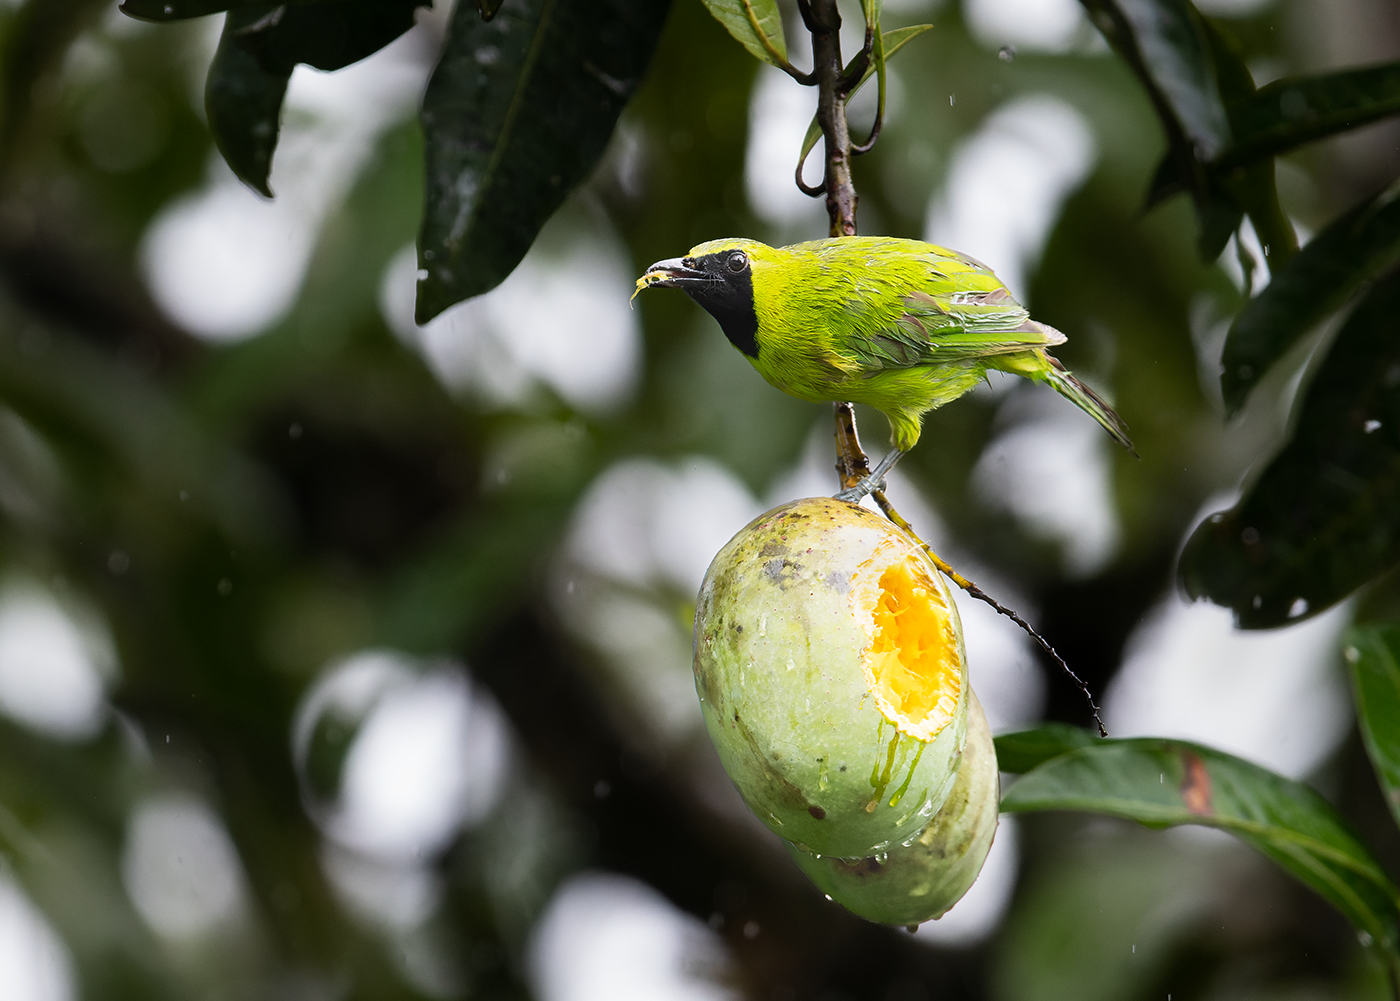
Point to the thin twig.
(852, 465)
(982, 595)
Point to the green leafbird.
(900, 325)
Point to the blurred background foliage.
(346, 658)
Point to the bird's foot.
(855, 494)
(872, 482)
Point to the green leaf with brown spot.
(1166, 783)
(1026, 749)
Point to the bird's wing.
(955, 326)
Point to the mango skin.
(922, 881)
(779, 672)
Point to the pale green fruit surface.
(912, 884)
(832, 675)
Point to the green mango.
(831, 670)
(915, 883)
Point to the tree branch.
(824, 22)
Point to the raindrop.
(225, 587)
(1299, 606)
(118, 563)
(1371, 425)
(294, 432)
(751, 929)
(1006, 53)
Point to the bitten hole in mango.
(912, 663)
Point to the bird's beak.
(673, 273)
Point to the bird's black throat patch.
(728, 297)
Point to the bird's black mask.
(723, 284)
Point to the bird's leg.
(982, 595)
(875, 481)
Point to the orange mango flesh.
(912, 662)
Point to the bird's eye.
(738, 261)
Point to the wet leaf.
(1026, 749)
(1166, 783)
(258, 50)
(1354, 249)
(1296, 110)
(1324, 518)
(1165, 44)
(1374, 655)
(752, 23)
(517, 113)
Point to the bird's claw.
(866, 485)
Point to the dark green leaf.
(1026, 749)
(1165, 44)
(258, 50)
(1164, 783)
(517, 113)
(1374, 655)
(1167, 180)
(1352, 250)
(1324, 518)
(180, 10)
(756, 24)
(1193, 74)
(1296, 110)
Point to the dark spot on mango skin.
(861, 867)
(817, 812)
(782, 571)
(794, 796)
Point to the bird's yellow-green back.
(902, 325)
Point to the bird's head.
(719, 275)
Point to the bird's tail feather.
(1088, 401)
